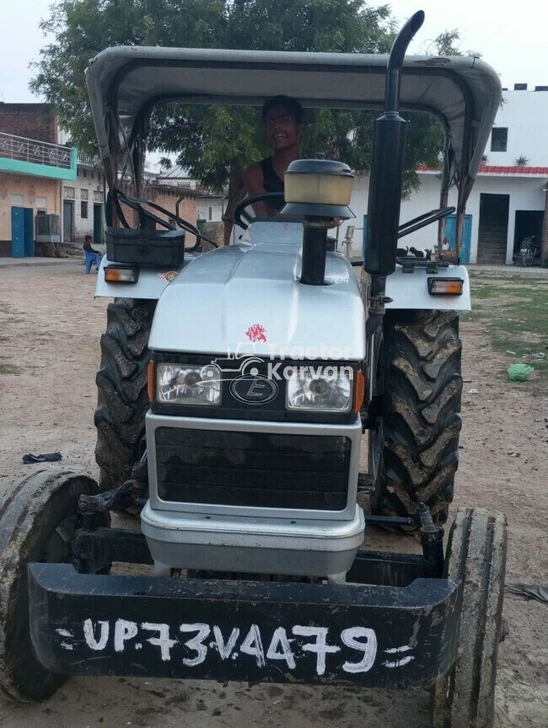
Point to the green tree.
(448, 44)
(216, 143)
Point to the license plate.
(245, 631)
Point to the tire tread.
(122, 400)
(421, 413)
(476, 554)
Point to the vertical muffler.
(386, 178)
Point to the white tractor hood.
(247, 299)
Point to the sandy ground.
(50, 326)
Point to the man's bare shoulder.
(253, 177)
(254, 171)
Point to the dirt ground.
(50, 326)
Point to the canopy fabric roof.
(125, 82)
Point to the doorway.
(528, 224)
(22, 232)
(450, 233)
(97, 224)
(493, 229)
(68, 221)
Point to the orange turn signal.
(151, 381)
(359, 392)
(445, 286)
(121, 274)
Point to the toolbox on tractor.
(239, 454)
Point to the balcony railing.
(31, 156)
(88, 160)
(30, 150)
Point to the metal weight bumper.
(350, 634)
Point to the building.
(210, 205)
(83, 203)
(33, 166)
(50, 195)
(509, 198)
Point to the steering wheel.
(239, 214)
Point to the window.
(93, 175)
(83, 210)
(210, 214)
(84, 172)
(499, 140)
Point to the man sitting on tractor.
(283, 118)
(283, 121)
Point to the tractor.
(237, 387)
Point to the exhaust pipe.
(386, 181)
(386, 176)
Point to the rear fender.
(410, 290)
(151, 283)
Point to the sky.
(512, 40)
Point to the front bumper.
(374, 636)
(254, 545)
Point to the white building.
(83, 211)
(508, 200)
(211, 207)
(83, 203)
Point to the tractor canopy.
(124, 84)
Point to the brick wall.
(33, 121)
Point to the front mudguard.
(150, 285)
(409, 291)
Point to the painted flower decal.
(256, 333)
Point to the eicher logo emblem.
(256, 333)
(254, 389)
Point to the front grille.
(264, 470)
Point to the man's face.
(282, 130)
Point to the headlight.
(329, 390)
(190, 385)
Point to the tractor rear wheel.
(476, 555)
(122, 383)
(414, 446)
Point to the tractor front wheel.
(476, 556)
(414, 446)
(38, 518)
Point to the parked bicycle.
(529, 251)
